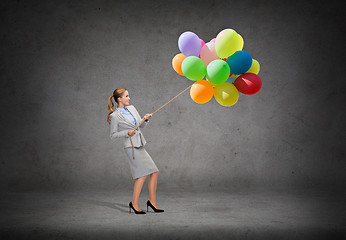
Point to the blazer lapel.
(124, 118)
(133, 114)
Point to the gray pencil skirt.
(142, 165)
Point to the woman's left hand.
(147, 116)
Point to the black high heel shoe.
(155, 209)
(137, 212)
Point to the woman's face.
(125, 98)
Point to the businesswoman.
(123, 120)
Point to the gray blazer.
(120, 125)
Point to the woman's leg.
(152, 188)
(137, 191)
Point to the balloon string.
(133, 151)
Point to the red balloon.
(248, 83)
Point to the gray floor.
(193, 214)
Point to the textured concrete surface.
(188, 215)
(61, 60)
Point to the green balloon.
(193, 68)
(218, 72)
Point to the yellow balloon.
(227, 43)
(226, 94)
(255, 67)
(241, 43)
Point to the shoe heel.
(137, 212)
(155, 210)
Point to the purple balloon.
(189, 44)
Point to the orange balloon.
(201, 91)
(176, 63)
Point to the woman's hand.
(147, 116)
(131, 132)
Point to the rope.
(133, 151)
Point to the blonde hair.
(116, 94)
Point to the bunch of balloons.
(229, 71)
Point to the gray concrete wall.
(61, 60)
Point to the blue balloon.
(239, 62)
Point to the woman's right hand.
(131, 132)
